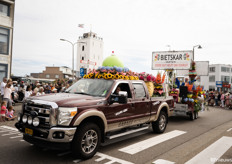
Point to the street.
(200, 141)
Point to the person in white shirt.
(3, 84)
(41, 92)
(7, 95)
(28, 92)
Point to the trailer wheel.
(191, 116)
(86, 141)
(196, 115)
(160, 125)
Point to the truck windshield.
(92, 87)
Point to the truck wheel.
(160, 125)
(195, 115)
(86, 141)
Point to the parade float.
(191, 97)
(112, 68)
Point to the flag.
(81, 25)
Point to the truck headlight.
(66, 115)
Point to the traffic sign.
(82, 72)
(219, 84)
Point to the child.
(10, 113)
(3, 111)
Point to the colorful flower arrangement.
(112, 73)
(175, 93)
(146, 77)
(158, 91)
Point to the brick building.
(54, 73)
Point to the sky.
(133, 29)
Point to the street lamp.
(72, 54)
(198, 46)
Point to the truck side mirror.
(121, 98)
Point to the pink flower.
(141, 78)
(148, 78)
(153, 78)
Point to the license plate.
(29, 131)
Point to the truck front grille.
(45, 112)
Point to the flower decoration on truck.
(158, 84)
(112, 73)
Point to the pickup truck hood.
(68, 100)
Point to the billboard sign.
(171, 60)
(202, 69)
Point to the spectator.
(54, 90)
(47, 89)
(65, 88)
(37, 88)
(227, 100)
(3, 111)
(41, 91)
(216, 97)
(219, 98)
(7, 95)
(10, 114)
(3, 84)
(222, 99)
(28, 92)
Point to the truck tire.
(160, 125)
(86, 141)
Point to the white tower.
(89, 52)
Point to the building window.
(57, 76)
(4, 41)
(47, 76)
(3, 71)
(83, 48)
(82, 58)
(227, 69)
(223, 69)
(225, 78)
(4, 9)
(211, 69)
(211, 78)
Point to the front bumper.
(48, 134)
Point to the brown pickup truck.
(90, 112)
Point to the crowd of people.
(220, 99)
(12, 92)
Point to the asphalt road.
(200, 141)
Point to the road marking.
(10, 133)
(162, 161)
(22, 140)
(8, 127)
(229, 129)
(64, 153)
(214, 151)
(5, 131)
(112, 159)
(140, 146)
(20, 135)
